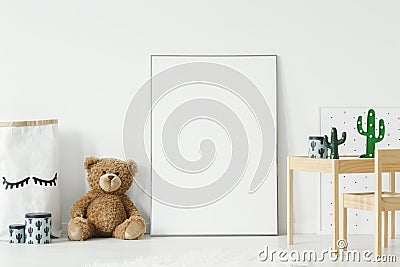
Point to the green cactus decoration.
(335, 142)
(370, 133)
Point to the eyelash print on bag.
(22, 183)
(17, 184)
(51, 182)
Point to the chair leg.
(392, 213)
(385, 234)
(378, 235)
(392, 223)
(343, 220)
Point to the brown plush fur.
(106, 211)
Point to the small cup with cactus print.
(17, 233)
(316, 147)
(38, 228)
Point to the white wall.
(82, 61)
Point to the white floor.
(181, 251)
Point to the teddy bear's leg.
(132, 228)
(80, 229)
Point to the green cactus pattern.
(370, 133)
(46, 230)
(38, 237)
(38, 225)
(18, 237)
(313, 145)
(321, 152)
(30, 231)
(335, 142)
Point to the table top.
(345, 164)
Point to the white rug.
(198, 259)
(192, 259)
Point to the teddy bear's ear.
(90, 161)
(132, 166)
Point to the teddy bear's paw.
(135, 229)
(79, 229)
(75, 230)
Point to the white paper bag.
(29, 168)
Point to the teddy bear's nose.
(111, 177)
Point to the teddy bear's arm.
(130, 208)
(80, 206)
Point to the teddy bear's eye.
(117, 173)
(104, 172)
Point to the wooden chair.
(381, 203)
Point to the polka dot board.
(345, 120)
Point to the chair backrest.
(386, 160)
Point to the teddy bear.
(106, 211)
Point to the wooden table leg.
(392, 214)
(378, 209)
(335, 204)
(343, 220)
(289, 203)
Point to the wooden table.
(344, 165)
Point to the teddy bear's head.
(110, 175)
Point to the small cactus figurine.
(370, 133)
(335, 142)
